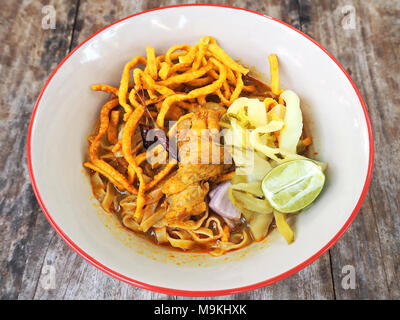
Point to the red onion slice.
(221, 204)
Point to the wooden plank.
(369, 53)
(27, 55)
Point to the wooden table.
(367, 46)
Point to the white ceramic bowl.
(67, 109)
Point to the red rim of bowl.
(142, 285)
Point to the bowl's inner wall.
(69, 109)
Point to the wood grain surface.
(369, 50)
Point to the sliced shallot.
(221, 204)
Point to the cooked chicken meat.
(200, 155)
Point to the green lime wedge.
(293, 185)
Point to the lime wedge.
(293, 185)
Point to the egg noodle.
(164, 197)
